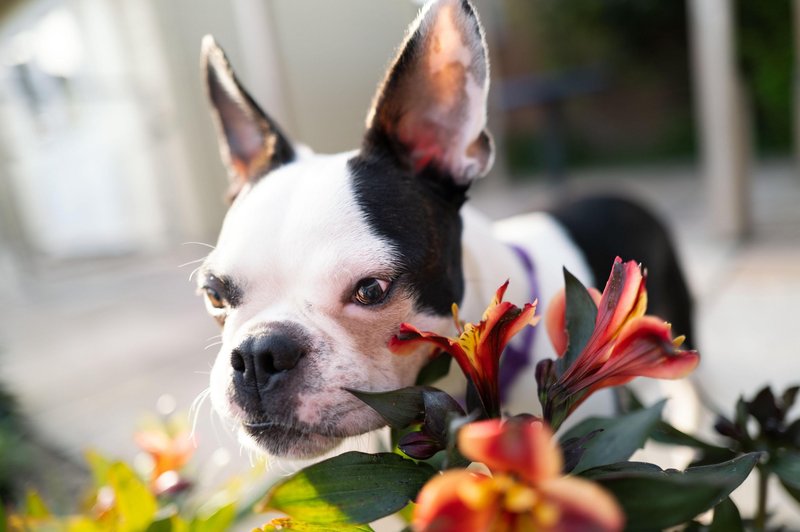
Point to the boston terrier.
(322, 257)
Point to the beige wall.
(334, 55)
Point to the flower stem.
(760, 521)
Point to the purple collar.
(517, 355)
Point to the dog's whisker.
(213, 337)
(212, 344)
(199, 244)
(195, 261)
(194, 272)
(194, 411)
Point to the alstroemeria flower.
(624, 344)
(169, 452)
(525, 492)
(478, 347)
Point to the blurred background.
(111, 185)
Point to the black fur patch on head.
(419, 215)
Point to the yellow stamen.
(546, 515)
(520, 498)
(677, 342)
(477, 495)
(502, 483)
(456, 320)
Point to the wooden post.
(719, 102)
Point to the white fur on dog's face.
(295, 246)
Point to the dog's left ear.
(431, 107)
(250, 143)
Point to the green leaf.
(619, 439)
(666, 433)
(435, 369)
(786, 465)
(580, 314)
(352, 488)
(788, 398)
(654, 499)
(35, 506)
(135, 504)
(162, 525)
(99, 466)
(400, 408)
(299, 526)
(726, 518)
(221, 519)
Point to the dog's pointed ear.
(250, 143)
(431, 107)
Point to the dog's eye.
(213, 297)
(371, 291)
(214, 291)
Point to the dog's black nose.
(260, 357)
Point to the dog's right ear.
(250, 143)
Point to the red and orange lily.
(624, 344)
(478, 347)
(525, 492)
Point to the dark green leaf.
(709, 453)
(166, 524)
(619, 439)
(726, 518)
(792, 491)
(352, 488)
(654, 499)
(435, 369)
(573, 449)
(626, 399)
(786, 465)
(788, 398)
(581, 314)
(763, 407)
(793, 433)
(400, 408)
(666, 433)
(742, 413)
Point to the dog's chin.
(288, 442)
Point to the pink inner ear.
(424, 145)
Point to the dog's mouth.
(301, 440)
(290, 441)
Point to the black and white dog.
(321, 257)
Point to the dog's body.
(321, 257)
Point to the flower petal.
(624, 297)
(555, 321)
(647, 349)
(409, 338)
(520, 446)
(455, 501)
(583, 506)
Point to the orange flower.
(525, 492)
(169, 453)
(624, 344)
(478, 347)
